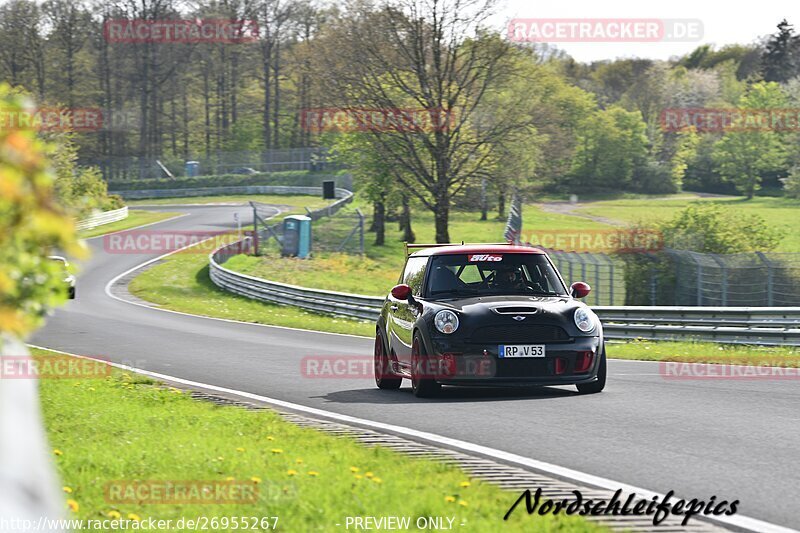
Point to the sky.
(722, 22)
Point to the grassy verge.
(705, 352)
(293, 200)
(777, 212)
(136, 217)
(181, 283)
(379, 269)
(124, 427)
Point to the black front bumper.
(479, 364)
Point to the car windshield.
(456, 275)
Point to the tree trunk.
(501, 205)
(484, 202)
(379, 222)
(405, 220)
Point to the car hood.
(542, 303)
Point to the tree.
(744, 157)
(435, 57)
(781, 57)
(32, 226)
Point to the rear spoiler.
(462, 243)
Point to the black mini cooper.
(496, 315)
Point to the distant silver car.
(69, 279)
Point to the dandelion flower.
(68, 490)
(449, 499)
(298, 461)
(277, 450)
(359, 476)
(369, 474)
(465, 484)
(354, 469)
(113, 515)
(270, 438)
(462, 503)
(377, 480)
(135, 517)
(239, 449)
(313, 473)
(58, 452)
(73, 506)
(291, 472)
(230, 478)
(255, 480)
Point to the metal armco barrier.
(217, 191)
(106, 217)
(727, 325)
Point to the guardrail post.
(611, 282)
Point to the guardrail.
(216, 191)
(727, 325)
(106, 217)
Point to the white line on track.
(737, 522)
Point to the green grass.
(704, 352)
(379, 269)
(125, 427)
(782, 213)
(181, 283)
(293, 200)
(136, 217)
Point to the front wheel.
(384, 378)
(600, 383)
(421, 386)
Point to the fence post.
(611, 282)
(360, 230)
(770, 277)
(724, 275)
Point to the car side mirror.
(401, 292)
(579, 289)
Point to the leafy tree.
(780, 60)
(32, 226)
(744, 157)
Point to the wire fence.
(120, 168)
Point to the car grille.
(527, 334)
(522, 368)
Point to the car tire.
(600, 383)
(421, 387)
(384, 378)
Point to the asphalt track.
(736, 439)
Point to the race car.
(486, 315)
(69, 279)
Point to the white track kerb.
(736, 522)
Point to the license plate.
(520, 350)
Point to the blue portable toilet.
(192, 169)
(296, 236)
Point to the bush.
(32, 226)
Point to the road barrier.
(219, 191)
(105, 217)
(727, 325)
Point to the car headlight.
(584, 319)
(446, 321)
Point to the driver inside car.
(508, 278)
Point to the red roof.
(478, 249)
